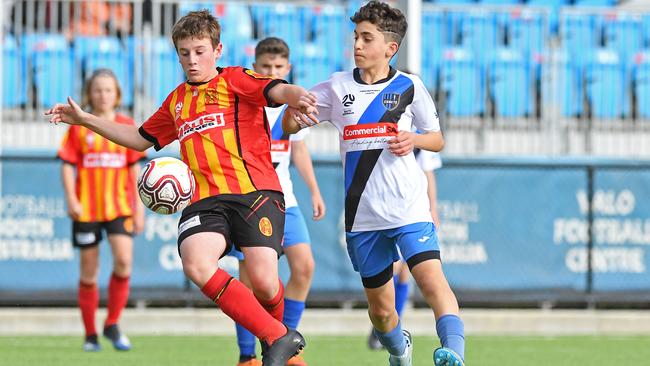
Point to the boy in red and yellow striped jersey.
(102, 197)
(218, 117)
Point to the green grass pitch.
(327, 351)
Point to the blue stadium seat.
(106, 52)
(461, 82)
(243, 53)
(165, 73)
(331, 29)
(641, 77)
(646, 31)
(579, 34)
(479, 32)
(527, 31)
(501, 2)
(434, 39)
(280, 20)
(52, 62)
(13, 87)
(509, 83)
(605, 84)
(623, 33)
(311, 66)
(567, 92)
(455, 1)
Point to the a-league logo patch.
(266, 228)
(390, 100)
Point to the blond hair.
(86, 101)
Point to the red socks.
(118, 294)
(239, 303)
(275, 306)
(88, 299)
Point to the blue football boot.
(119, 340)
(447, 357)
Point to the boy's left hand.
(402, 144)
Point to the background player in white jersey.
(374, 108)
(428, 161)
(272, 59)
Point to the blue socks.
(451, 332)
(394, 341)
(401, 295)
(245, 340)
(292, 312)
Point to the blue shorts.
(295, 231)
(371, 252)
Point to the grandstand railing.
(508, 80)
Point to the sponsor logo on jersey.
(201, 124)
(348, 100)
(266, 228)
(390, 100)
(178, 109)
(104, 160)
(280, 145)
(369, 130)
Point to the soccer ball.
(166, 185)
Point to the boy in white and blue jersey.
(272, 59)
(374, 108)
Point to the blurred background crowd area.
(536, 77)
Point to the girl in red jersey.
(102, 198)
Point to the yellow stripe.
(200, 102)
(185, 113)
(222, 92)
(122, 201)
(172, 104)
(99, 183)
(84, 192)
(238, 164)
(108, 194)
(204, 188)
(83, 132)
(215, 166)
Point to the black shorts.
(89, 234)
(254, 219)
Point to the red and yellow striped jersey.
(223, 134)
(104, 185)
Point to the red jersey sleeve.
(132, 156)
(70, 151)
(252, 87)
(160, 128)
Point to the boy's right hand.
(70, 113)
(305, 117)
(74, 209)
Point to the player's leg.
(245, 339)
(401, 282)
(372, 255)
(86, 237)
(257, 228)
(120, 233)
(419, 245)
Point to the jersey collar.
(357, 76)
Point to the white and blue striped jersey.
(281, 152)
(382, 191)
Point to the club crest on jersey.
(390, 100)
(211, 96)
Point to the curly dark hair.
(388, 20)
(197, 24)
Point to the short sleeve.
(425, 115)
(323, 93)
(300, 135)
(160, 128)
(70, 150)
(429, 160)
(252, 87)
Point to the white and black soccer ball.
(166, 185)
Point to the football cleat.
(119, 340)
(282, 349)
(91, 344)
(447, 357)
(406, 359)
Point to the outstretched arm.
(298, 99)
(302, 160)
(119, 133)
